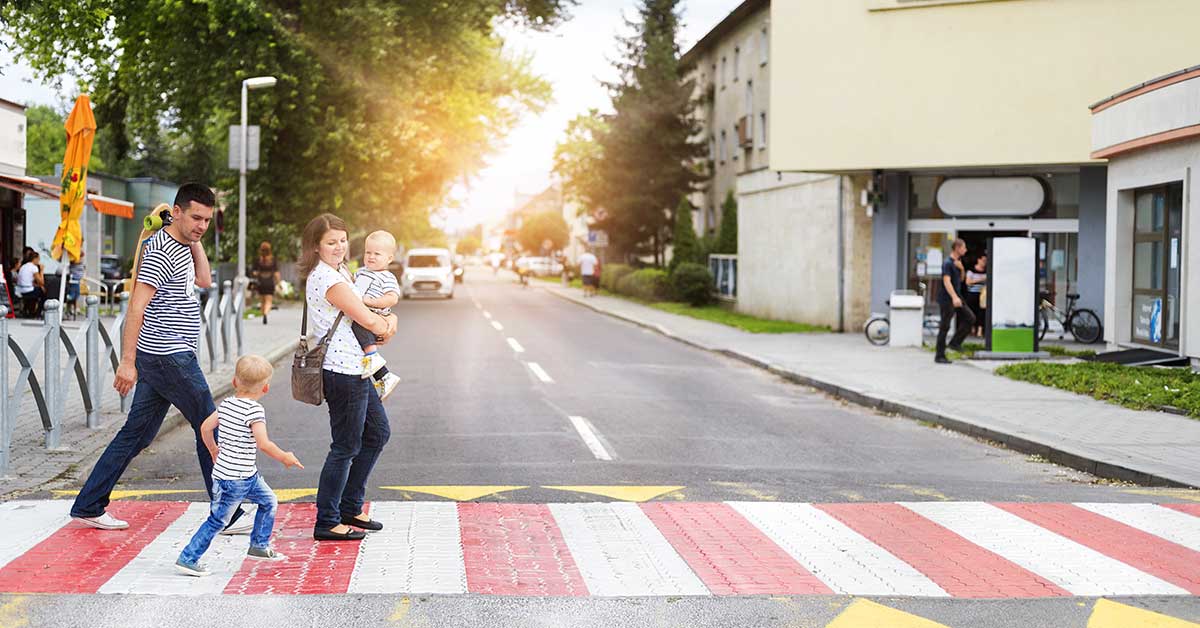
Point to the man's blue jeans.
(227, 494)
(359, 429)
(163, 381)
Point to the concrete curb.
(1053, 453)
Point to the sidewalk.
(34, 468)
(1154, 448)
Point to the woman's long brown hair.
(310, 241)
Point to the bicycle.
(878, 328)
(1082, 323)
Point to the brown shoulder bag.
(308, 384)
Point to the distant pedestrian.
(951, 303)
(243, 425)
(31, 283)
(976, 285)
(159, 345)
(266, 272)
(589, 270)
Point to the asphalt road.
(505, 385)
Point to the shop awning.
(36, 187)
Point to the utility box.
(906, 318)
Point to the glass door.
(1157, 246)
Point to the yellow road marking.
(1178, 493)
(623, 493)
(919, 491)
(131, 493)
(456, 493)
(12, 613)
(1109, 614)
(402, 608)
(743, 489)
(289, 494)
(867, 614)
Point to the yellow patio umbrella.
(81, 131)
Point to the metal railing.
(221, 334)
(724, 272)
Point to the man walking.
(588, 270)
(159, 347)
(951, 303)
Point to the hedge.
(611, 273)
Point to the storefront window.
(1058, 266)
(926, 252)
(1157, 245)
(922, 199)
(1062, 196)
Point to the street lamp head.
(259, 81)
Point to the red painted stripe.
(960, 567)
(80, 559)
(312, 567)
(730, 554)
(1152, 554)
(1191, 509)
(516, 549)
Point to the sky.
(574, 58)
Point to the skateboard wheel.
(153, 222)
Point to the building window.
(712, 148)
(737, 63)
(724, 72)
(722, 148)
(762, 45)
(762, 130)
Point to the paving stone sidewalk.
(34, 468)
(1153, 448)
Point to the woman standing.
(357, 421)
(976, 282)
(267, 273)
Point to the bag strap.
(304, 324)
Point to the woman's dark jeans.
(359, 428)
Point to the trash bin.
(905, 318)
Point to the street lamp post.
(247, 85)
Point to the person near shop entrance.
(951, 303)
(159, 355)
(976, 281)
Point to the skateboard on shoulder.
(158, 218)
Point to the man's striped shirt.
(172, 321)
(237, 453)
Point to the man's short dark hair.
(189, 192)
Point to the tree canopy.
(541, 227)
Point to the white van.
(427, 272)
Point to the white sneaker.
(266, 553)
(372, 363)
(243, 525)
(386, 385)
(103, 522)
(197, 570)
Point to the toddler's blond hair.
(252, 371)
(385, 238)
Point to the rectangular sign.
(1012, 295)
(235, 146)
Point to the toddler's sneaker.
(264, 553)
(372, 363)
(386, 385)
(191, 569)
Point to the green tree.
(727, 236)
(468, 245)
(541, 227)
(647, 154)
(577, 160)
(686, 246)
(46, 141)
(380, 106)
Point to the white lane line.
(516, 346)
(497, 326)
(1172, 525)
(152, 571)
(620, 552)
(1072, 566)
(28, 523)
(589, 438)
(418, 551)
(843, 559)
(487, 314)
(540, 372)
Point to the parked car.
(543, 266)
(110, 268)
(427, 272)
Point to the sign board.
(1012, 295)
(235, 146)
(598, 239)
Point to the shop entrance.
(1157, 247)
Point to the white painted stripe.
(487, 314)
(152, 571)
(1172, 525)
(1072, 566)
(842, 558)
(589, 438)
(418, 551)
(540, 372)
(497, 326)
(28, 523)
(516, 346)
(620, 552)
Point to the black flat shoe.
(329, 535)
(370, 526)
